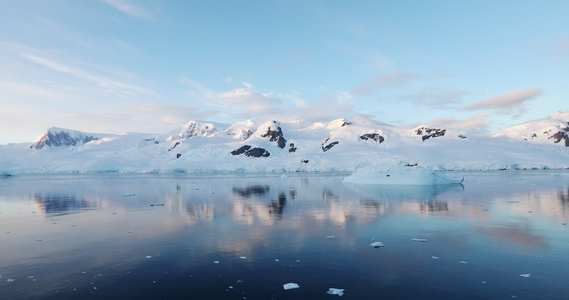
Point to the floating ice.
(399, 174)
(435, 257)
(377, 244)
(419, 240)
(290, 285)
(463, 262)
(330, 236)
(513, 201)
(10, 280)
(525, 275)
(334, 291)
(156, 204)
(128, 195)
(216, 261)
(243, 257)
(148, 256)
(38, 240)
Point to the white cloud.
(248, 85)
(506, 103)
(227, 79)
(243, 97)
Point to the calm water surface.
(98, 237)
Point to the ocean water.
(118, 236)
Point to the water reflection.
(61, 204)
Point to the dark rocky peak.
(372, 136)
(194, 128)
(275, 134)
(428, 133)
(291, 148)
(57, 137)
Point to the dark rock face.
(428, 133)
(176, 144)
(462, 137)
(304, 161)
(346, 123)
(178, 155)
(62, 139)
(254, 152)
(275, 136)
(291, 148)
(327, 146)
(372, 136)
(561, 136)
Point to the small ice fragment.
(31, 277)
(484, 210)
(525, 275)
(243, 257)
(156, 204)
(295, 219)
(334, 291)
(463, 262)
(240, 281)
(563, 223)
(216, 261)
(131, 231)
(10, 280)
(128, 195)
(419, 240)
(377, 244)
(435, 257)
(531, 211)
(513, 201)
(276, 259)
(94, 287)
(38, 240)
(290, 285)
(148, 256)
(230, 287)
(330, 236)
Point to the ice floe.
(525, 275)
(419, 240)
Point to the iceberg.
(377, 244)
(400, 174)
(334, 291)
(290, 285)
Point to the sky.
(116, 66)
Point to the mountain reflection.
(59, 205)
(277, 206)
(252, 190)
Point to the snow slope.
(337, 146)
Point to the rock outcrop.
(372, 136)
(275, 134)
(428, 133)
(194, 128)
(248, 151)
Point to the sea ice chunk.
(419, 240)
(525, 275)
(329, 236)
(290, 285)
(377, 244)
(400, 174)
(156, 204)
(334, 291)
(128, 195)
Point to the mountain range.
(339, 145)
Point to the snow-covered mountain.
(274, 146)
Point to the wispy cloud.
(475, 123)
(393, 79)
(433, 98)
(506, 103)
(103, 81)
(128, 8)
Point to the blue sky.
(115, 66)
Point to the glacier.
(341, 146)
